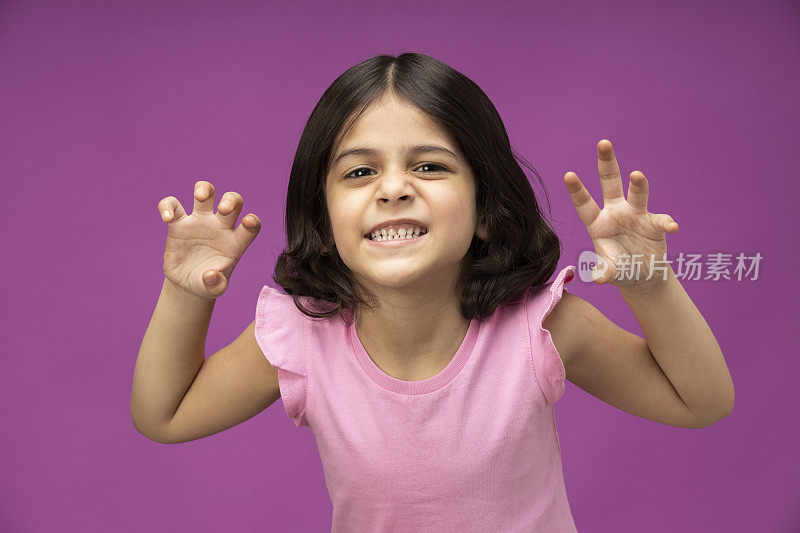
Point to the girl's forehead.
(392, 118)
(380, 142)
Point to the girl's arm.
(177, 393)
(684, 346)
(170, 356)
(677, 374)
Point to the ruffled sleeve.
(280, 332)
(547, 365)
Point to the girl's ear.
(481, 232)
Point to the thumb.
(215, 282)
(601, 272)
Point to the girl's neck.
(413, 342)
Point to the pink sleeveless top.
(473, 448)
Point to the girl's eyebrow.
(410, 150)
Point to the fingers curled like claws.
(170, 209)
(664, 223)
(638, 191)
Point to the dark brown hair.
(522, 250)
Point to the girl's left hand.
(622, 227)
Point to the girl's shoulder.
(554, 310)
(276, 306)
(279, 332)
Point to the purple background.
(106, 109)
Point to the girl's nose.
(395, 186)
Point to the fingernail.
(166, 214)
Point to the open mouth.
(394, 236)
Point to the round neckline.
(433, 383)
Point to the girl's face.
(436, 188)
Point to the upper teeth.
(398, 232)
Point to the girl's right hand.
(203, 248)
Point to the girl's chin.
(395, 277)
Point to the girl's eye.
(433, 166)
(357, 170)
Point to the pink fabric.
(474, 448)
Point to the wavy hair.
(522, 250)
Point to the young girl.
(418, 336)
